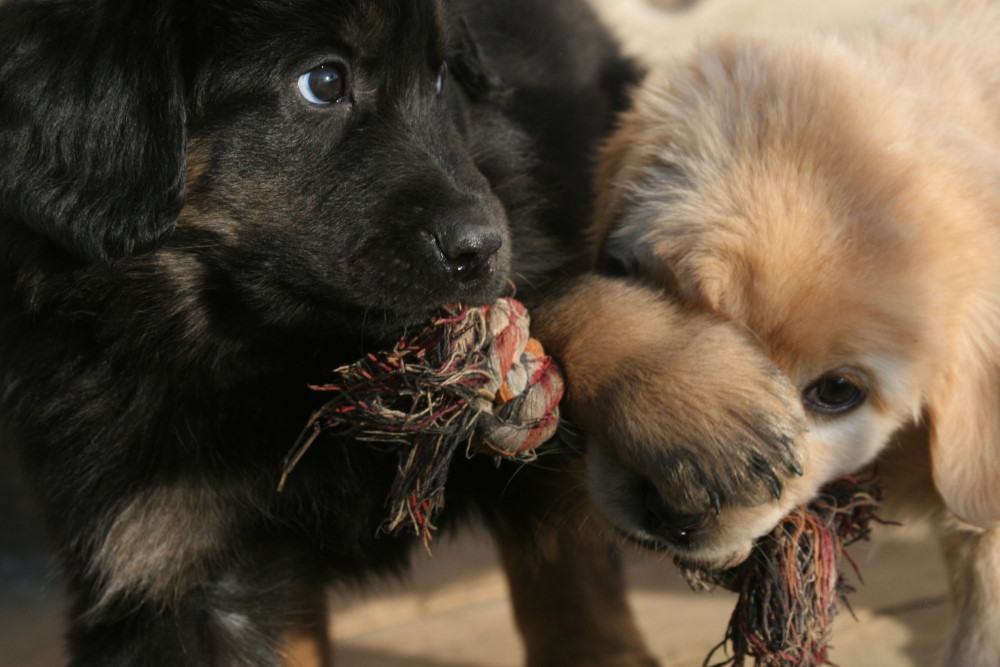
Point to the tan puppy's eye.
(833, 393)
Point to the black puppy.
(203, 206)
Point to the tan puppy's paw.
(666, 467)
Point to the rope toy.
(790, 585)
(473, 377)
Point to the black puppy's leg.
(566, 580)
(244, 618)
(570, 604)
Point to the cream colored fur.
(833, 199)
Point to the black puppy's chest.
(334, 500)
(335, 504)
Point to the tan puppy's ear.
(964, 411)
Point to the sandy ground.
(454, 612)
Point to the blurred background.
(453, 612)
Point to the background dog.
(204, 206)
(809, 224)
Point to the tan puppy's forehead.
(813, 281)
(764, 202)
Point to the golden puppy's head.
(785, 188)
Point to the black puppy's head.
(322, 161)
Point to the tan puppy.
(810, 224)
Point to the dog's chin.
(732, 559)
(378, 328)
(374, 323)
(715, 558)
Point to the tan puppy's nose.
(678, 528)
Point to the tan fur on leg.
(307, 644)
(973, 559)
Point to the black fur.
(185, 243)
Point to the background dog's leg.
(972, 556)
(570, 604)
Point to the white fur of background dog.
(653, 30)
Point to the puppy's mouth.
(408, 308)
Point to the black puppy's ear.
(466, 62)
(92, 123)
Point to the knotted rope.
(790, 585)
(473, 377)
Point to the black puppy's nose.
(678, 528)
(467, 248)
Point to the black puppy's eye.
(833, 394)
(442, 78)
(325, 84)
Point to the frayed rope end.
(790, 586)
(473, 378)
